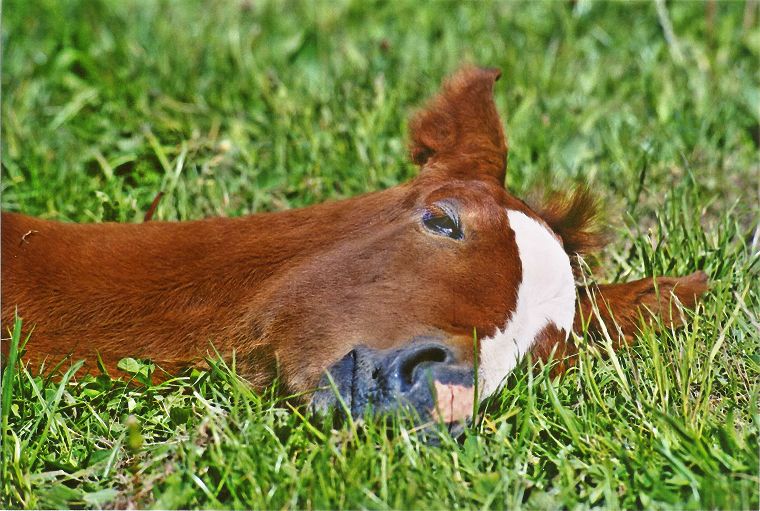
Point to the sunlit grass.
(232, 108)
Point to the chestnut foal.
(384, 290)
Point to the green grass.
(237, 107)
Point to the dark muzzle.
(422, 378)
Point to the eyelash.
(443, 222)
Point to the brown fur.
(575, 217)
(462, 123)
(294, 291)
(618, 310)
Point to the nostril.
(421, 358)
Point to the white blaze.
(545, 295)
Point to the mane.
(575, 216)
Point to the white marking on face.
(545, 295)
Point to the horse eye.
(443, 224)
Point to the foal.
(384, 291)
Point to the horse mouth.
(336, 387)
(422, 380)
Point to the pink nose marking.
(453, 402)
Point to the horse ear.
(461, 123)
(618, 309)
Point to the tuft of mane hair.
(576, 217)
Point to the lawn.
(236, 107)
